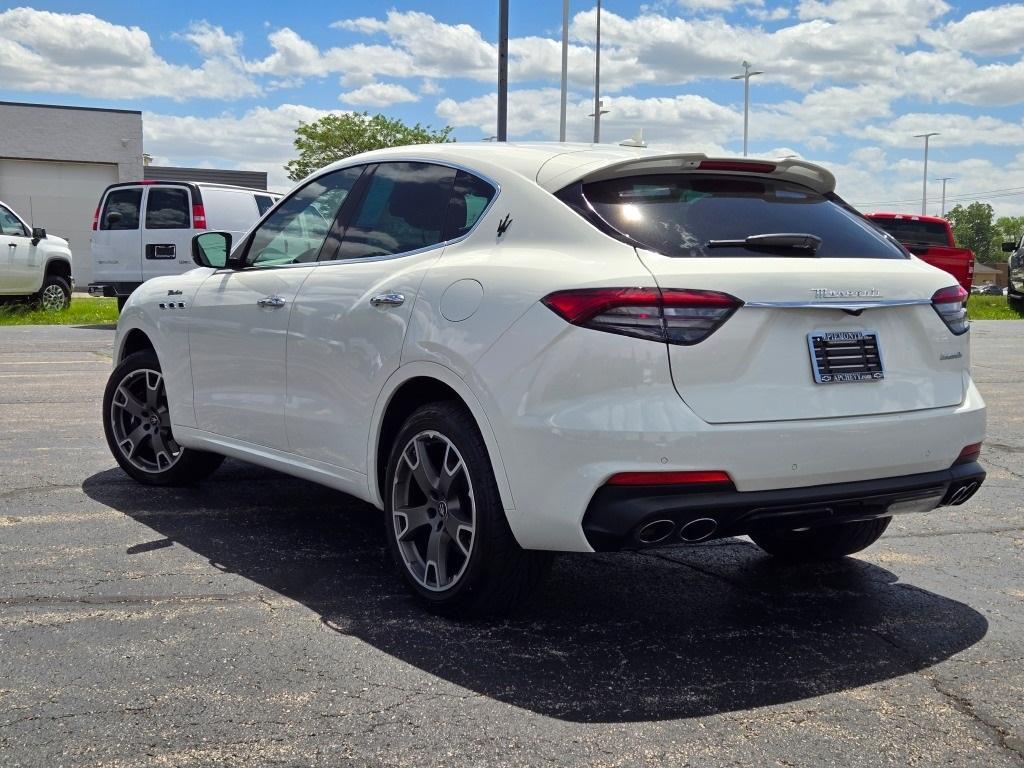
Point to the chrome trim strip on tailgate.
(847, 305)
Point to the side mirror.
(38, 233)
(114, 217)
(211, 249)
(1009, 247)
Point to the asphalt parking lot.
(255, 620)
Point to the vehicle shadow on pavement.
(610, 638)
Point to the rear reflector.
(743, 166)
(674, 316)
(702, 477)
(96, 219)
(951, 305)
(198, 217)
(968, 454)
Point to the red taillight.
(96, 219)
(951, 305)
(701, 477)
(968, 454)
(198, 217)
(744, 166)
(670, 315)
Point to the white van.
(144, 229)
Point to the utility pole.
(745, 77)
(944, 179)
(597, 80)
(502, 70)
(565, 68)
(924, 182)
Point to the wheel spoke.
(451, 468)
(423, 470)
(459, 532)
(134, 440)
(437, 556)
(129, 402)
(161, 450)
(153, 382)
(415, 518)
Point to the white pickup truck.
(33, 265)
(144, 229)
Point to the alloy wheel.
(141, 422)
(52, 299)
(433, 511)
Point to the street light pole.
(502, 70)
(565, 68)
(924, 183)
(597, 79)
(745, 77)
(944, 179)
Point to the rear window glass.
(470, 197)
(679, 214)
(264, 203)
(167, 208)
(121, 210)
(914, 232)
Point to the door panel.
(17, 255)
(166, 231)
(117, 245)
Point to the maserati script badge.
(841, 293)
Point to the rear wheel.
(445, 524)
(55, 295)
(137, 425)
(829, 542)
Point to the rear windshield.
(678, 214)
(914, 232)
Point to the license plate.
(840, 357)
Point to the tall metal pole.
(565, 68)
(745, 77)
(502, 70)
(944, 179)
(924, 182)
(597, 80)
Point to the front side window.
(10, 224)
(121, 211)
(168, 208)
(402, 210)
(295, 232)
(680, 215)
(470, 197)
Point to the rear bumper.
(624, 517)
(111, 290)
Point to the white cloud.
(81, 53)
(991, 31)
(954, 130)
(378, 95)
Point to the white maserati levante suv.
(520, 349)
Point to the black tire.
(55, 295)
(498, 574)
(1016, 302)
(182, 466)
(829, 542)
(121, 301)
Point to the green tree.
(973, 228)
(335, 137)
(1007, 228)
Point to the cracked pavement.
(255, 620)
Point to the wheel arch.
(411, 386)
(59, 267)
(135, 340)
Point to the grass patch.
(991, 308)
(83, 311)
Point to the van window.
(126, 203)
(168, 208)
(264, 203)
(231, 210)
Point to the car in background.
(930, 238)
(144, 229)
(1015, 274)
(33, 265)
(519, 349)
(988, 289)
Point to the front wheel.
(137, 425)
(55, 295)
(829, 542)
(444, 521)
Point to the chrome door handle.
(387, 300)
(271, 301)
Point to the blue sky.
(847, 82)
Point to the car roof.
(555, 165)
(191, 184)
(908, 216)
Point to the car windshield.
(914, 232)
(680, 214)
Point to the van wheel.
(121, 301)
(137, 426)
(444, 521)
(829, 542)
(55, 295)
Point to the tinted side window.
(470, 197)
(264, 203)
(403, 210)
(168, 208)
(295, 232)
(10, 224)
(125, 203)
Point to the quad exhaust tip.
(655, 531)
(698, 530)
(963, 493)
